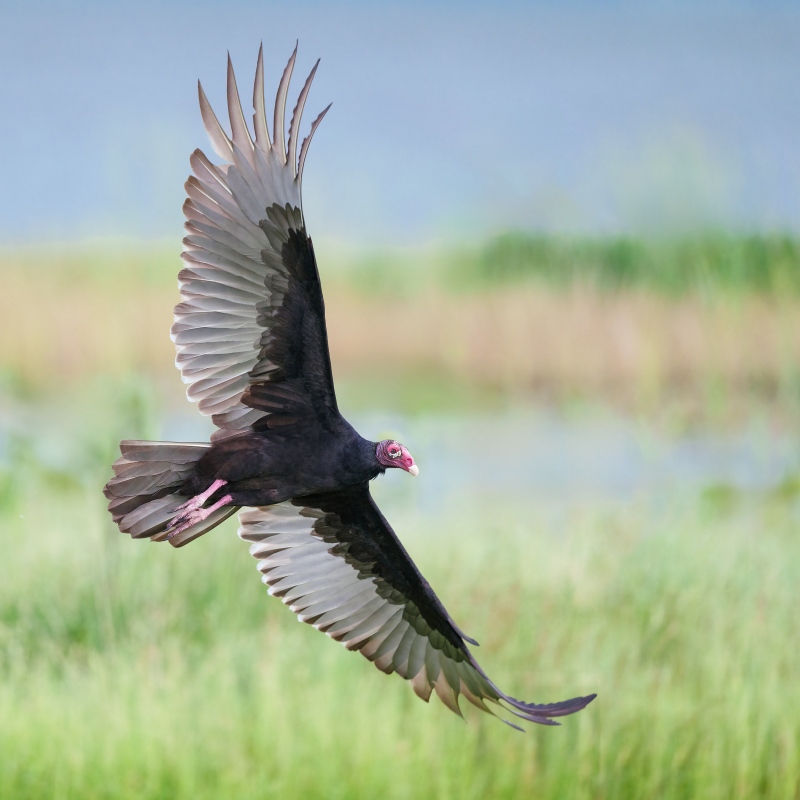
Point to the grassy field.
(132, 670)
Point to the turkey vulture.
(253, 349)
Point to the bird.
(252, 347)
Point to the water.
(547, 456)
(528, 453)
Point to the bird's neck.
(358, 463)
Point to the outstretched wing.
(250, 332)
(334, 560)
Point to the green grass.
(133, 670)
(703, 263)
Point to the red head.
(392, 454)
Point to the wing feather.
(250, 288)
(263, 142)
(334, 560)
(279, 121)
(219, 139)
(372, 625)
(241, 136)
(307, 141)
(297, 115)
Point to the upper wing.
(334, 560)
(250, 332)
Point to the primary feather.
(252, 348)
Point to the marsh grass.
(133, 670)
(703, 263)
(71, 313)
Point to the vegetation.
(767, 264)
(133, 670)
(715, 318)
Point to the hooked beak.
(413, 470)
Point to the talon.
(188, 517)
(196, 502)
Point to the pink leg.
(197, 502)
(190, 517)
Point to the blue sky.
(449, 120)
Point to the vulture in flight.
(253, 349)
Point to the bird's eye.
(394, 452)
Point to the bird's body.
(252, 345)
(256, 466)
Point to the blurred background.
(560, 246)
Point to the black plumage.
(252, 345)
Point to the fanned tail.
(144, 492)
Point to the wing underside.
(334, 560)
(251, 311)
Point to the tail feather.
(151, 517)
(143, 493)
(173, 452)
(121, 507)
(192, 533)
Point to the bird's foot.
(193, 503)
(191, 516)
